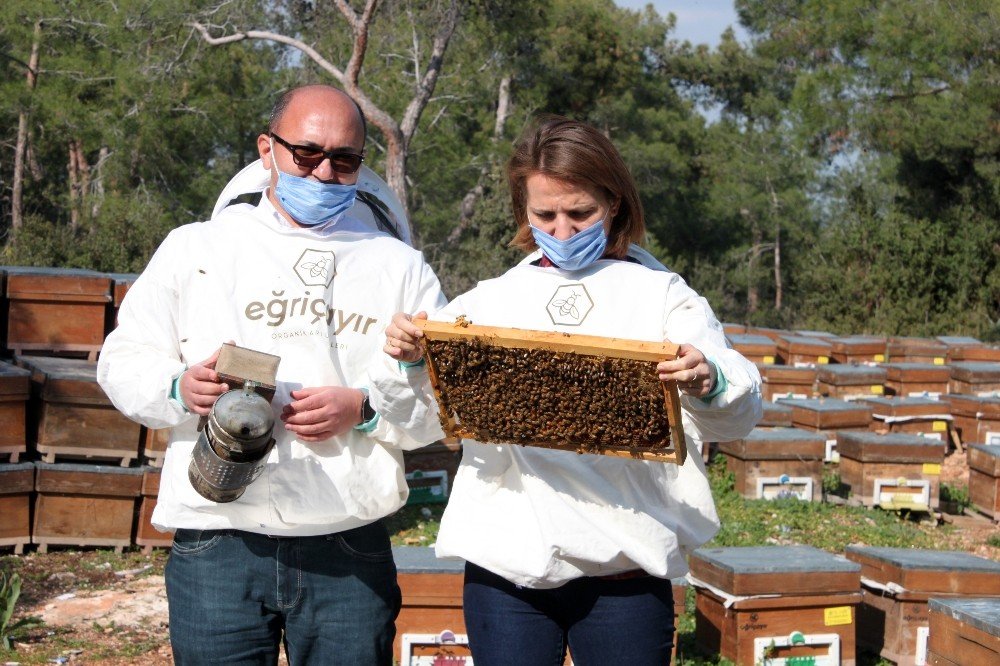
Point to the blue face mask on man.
(311, 202)
(578, 251)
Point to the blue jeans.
(234, 597)
(603, 621)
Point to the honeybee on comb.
(573, 392)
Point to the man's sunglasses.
(310, 157)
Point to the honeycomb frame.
(564, 346)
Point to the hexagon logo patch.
(569, 305)
(316, 268)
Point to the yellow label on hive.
(879, 358)
(877, 389)
(938, 360)
(823, 359)
(768, 360)
(837, 615)
(939, 426)
(933, 469)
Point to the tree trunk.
(777, 266)
(753, 294)
(21, 146)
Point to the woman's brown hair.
(576, 152)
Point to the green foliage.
(10, 590)
(959, 494)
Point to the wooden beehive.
(894, 471)
(755, 348)
(56, 309)
(803, 350)
(849, 380)
(984, 478)
(775, 415)
(146, 535)
(858, 349)
(975, 378)
(16, 483)
(916, 350)
(982, 353)
(432, 593)
(823, 414)
(772, 463)
(732, 328)
(77, 419)
(787, 381)
(760, 596)
(909, 380)
(976, 418)
(773, 333)
(917, 416)
(896, 586)
(15, 389)
(964, 632)
(572, 392)
(154, 445)
(84, 505)
(120, 284)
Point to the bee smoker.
(235, 438)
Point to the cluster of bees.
(543, 397)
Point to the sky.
(698, 21)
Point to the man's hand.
(694, 375)
(200, 386)
(401, 337)
(322, 412)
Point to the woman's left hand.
(694, 375)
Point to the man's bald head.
(315, 92)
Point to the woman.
(568, 549)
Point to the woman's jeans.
(235, 596)
(604, 621)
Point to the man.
(302, 557)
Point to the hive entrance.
(574, 392)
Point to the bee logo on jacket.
(316, 268)
(569, 305)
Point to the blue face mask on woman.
(578, 251)
(311, 202)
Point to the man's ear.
(264, 149)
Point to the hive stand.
(567, 345)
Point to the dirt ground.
(95, 614)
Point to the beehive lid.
(777, 444)
(421, 559)
(826, 413)
(776, 414)
(773, 333)
(69, 380)
(959, 341)
(17, 478)
(928, 571)
(753, 345)
(979, 406)
(977, 353)
(976, 372)
(980, 613)
(27, 282)
(803, 344)
(868, 345)
(788, 374)
(826, 335)
(849, 374)
(916, 372)
(14, 381)
(891, 447)
(84, 479)
(783, 570)
(883, 407)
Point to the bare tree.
(398, 134)
(21, 146)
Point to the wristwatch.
(367, 411)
